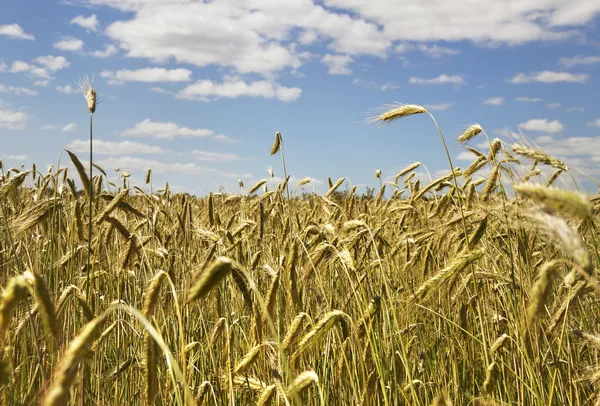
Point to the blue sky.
(196, 90)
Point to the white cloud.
(53, 63)
(129, 163)
(69, 128)
(89, 23)
(494, 101)
(15, 31)
(20, 66)
(206, 90)
(214, 156)
(553, 105)
(525, 99)
(439, 107)
(234, 33)
(68, 89)
(42, 83)
(13, 120)
(168, 131)
(114, 148)
(69, 44)
(109, 50)
(49, 127)
(159, 89)
(17, 90)
(148, 75)
(20, 158)
(440, 80)
(369, 84)
(436, 51)
(550, 77)
(542, 124)
(338, 64)
(581, 152)
(579, 60)
(575, 109)
(595, 123)
(308, 37)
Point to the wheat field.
(476, 288)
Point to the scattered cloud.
(439, 107)
(550, 77)
(129, 163)
(15, 31)
(42, 83)
(338, 64)
(542, 124)
(69, 128)
(68, 89)
(595, 123)
(581, 152)
(440, 80)
(214, 156)
(148, 75)
(13, 120)
(114, 148)
(169, 131)
(553, 105)
(43, 68)
(18, 91)
(579, 60)
(53, 63)
(369, 84)
(494, 101)
(89, 23)
(575, 109)
(109, 50)
(159, 89)
(232, 88)
(20, 158)
(433, 51)
(69, 44)
(525, 99)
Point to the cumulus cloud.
(18, 91)
(338, 64)
(433, 51)
(440, 80)
(114, 148)
(89, 23)
(169, 131)
(13, 120)
(494, 101)
(595, 123)
(542, 124)
(68, 89)
(53, 63)
(569, 62)
(108, 51)
(15, 31)
(147, 75)
(525, 99)
(553, 105)
(129, 163)
(232, 88)
(581, 152)
(69, 44)
(439, 107)
(69, 128)
(214, 156)
(20, 158)
(370, 84)
(550, 77)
